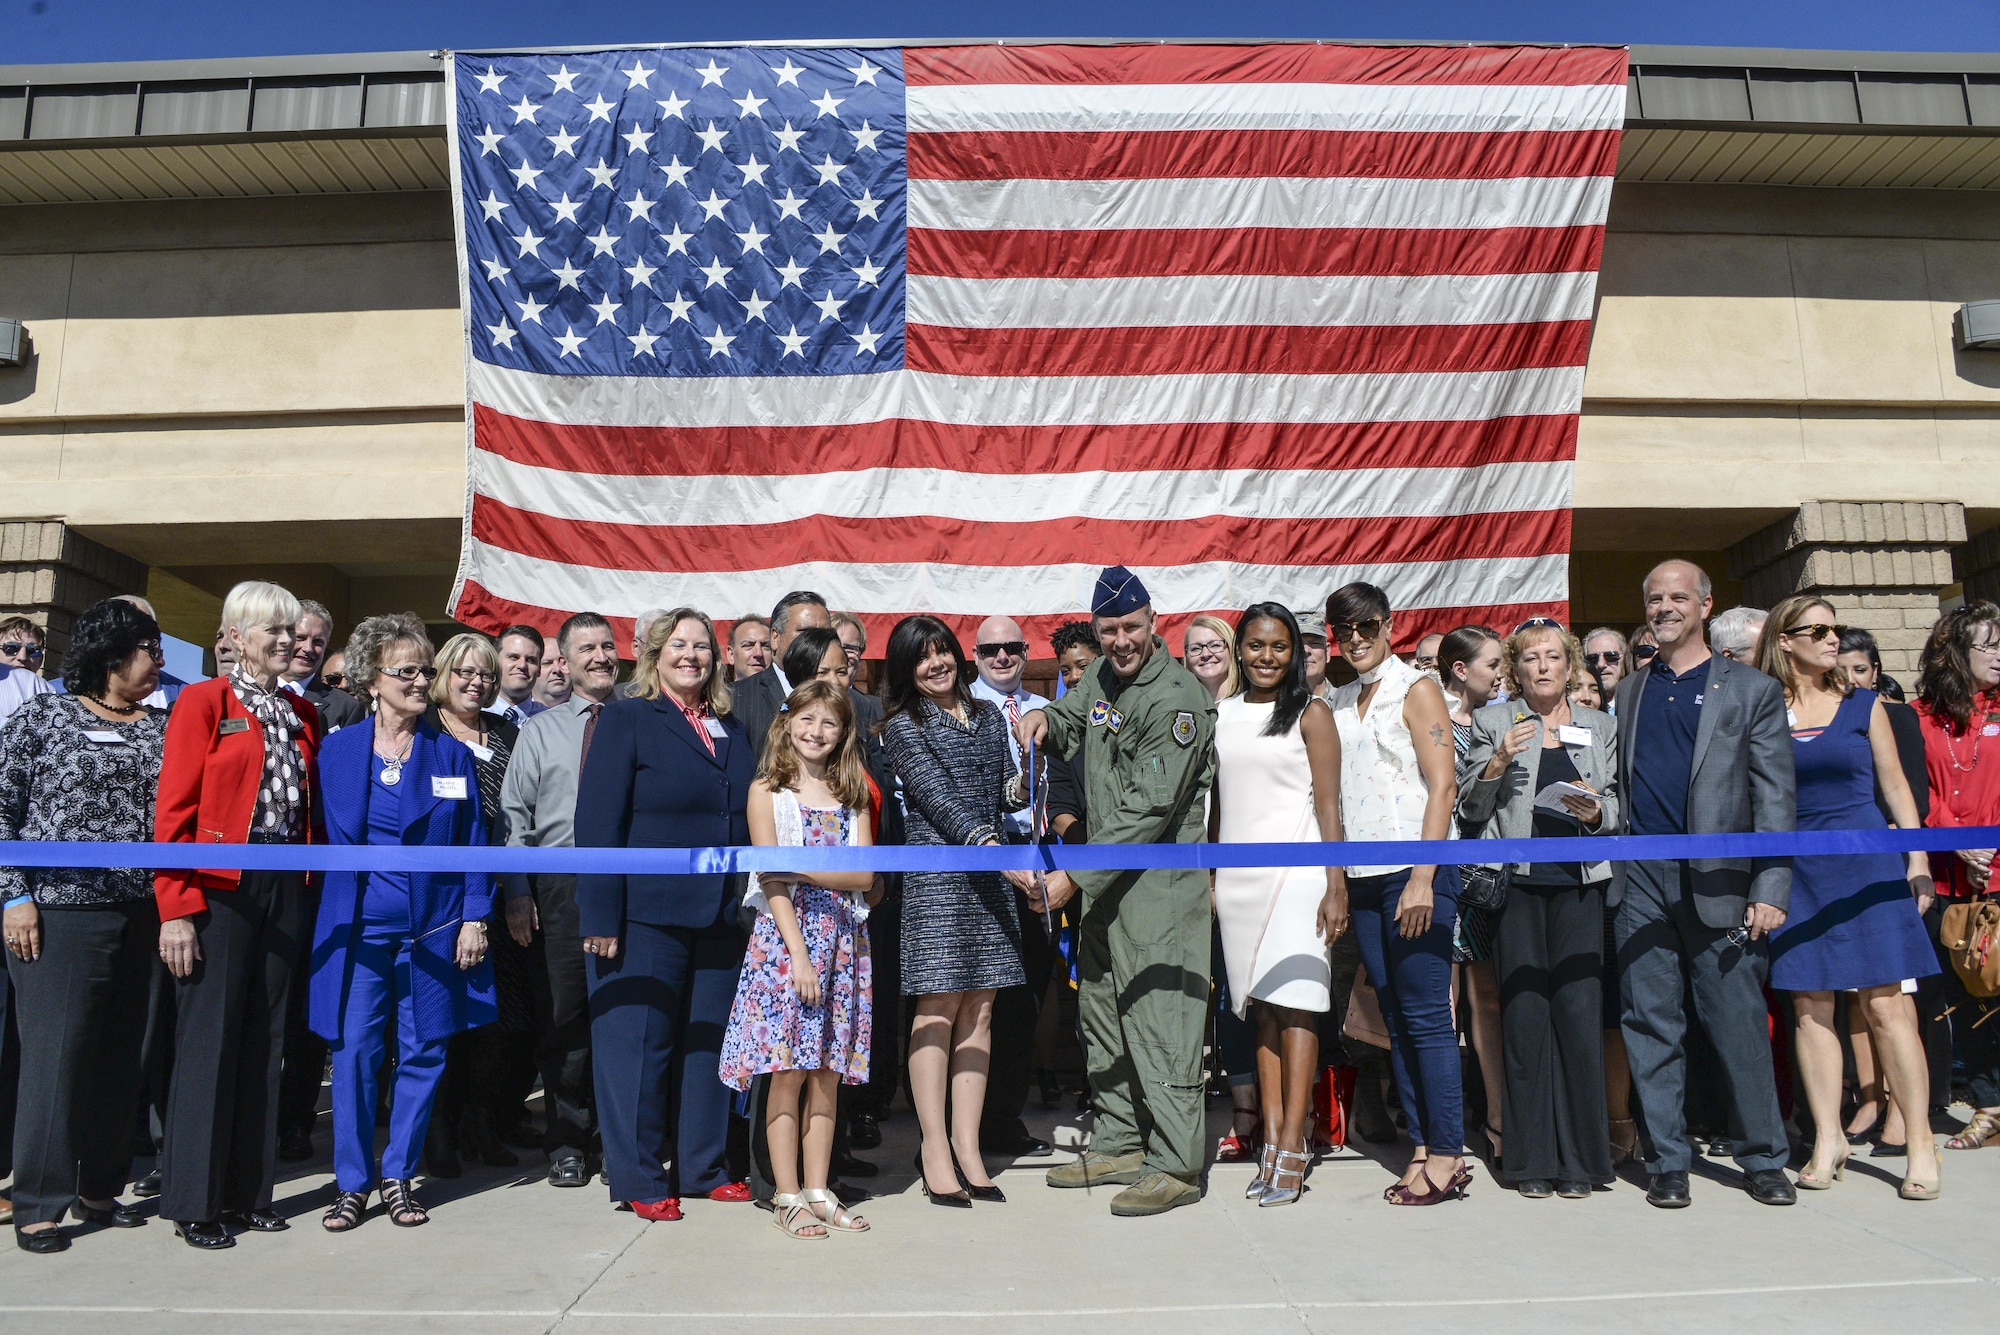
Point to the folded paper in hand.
(1551, 797)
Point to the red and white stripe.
(1254, 321)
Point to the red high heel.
(667, 1211)
(736, 1192)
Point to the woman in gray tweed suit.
(961, 931)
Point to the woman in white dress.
(1277, 780)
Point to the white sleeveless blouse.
(1382, 792)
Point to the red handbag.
(1333, 1096)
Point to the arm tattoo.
(1437, 735)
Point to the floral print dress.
(769, 1028)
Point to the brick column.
(1879, 564)
(49, 572)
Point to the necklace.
(1951, 750)
(392, 766)
(109, 708)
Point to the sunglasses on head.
(1817, 630)
(1539, 623)
(1342, 631)
(13, 647)
(1011, 648)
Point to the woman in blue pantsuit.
(395, 953)
(668, 768)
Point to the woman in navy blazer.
(401, 952)
(667, 768)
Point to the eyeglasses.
(1425, 662)
(1644, 653)
(410, 672)
(334, 679)
(1011, 648)
(1817, 630)
(13, 647)
(474, 674)
(153, 649)
(1213, 649)
(1609, 658)
(1539, 623)
(1343, 631)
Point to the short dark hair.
(747, 619)
(806, 652)
(1357, 602)
(105, 636)
(1461, 646)
(1074, 635)
(525, 632)
(581, 621)
(914, 639)
(783, 611)
(1853, 639)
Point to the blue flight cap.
(1118, 592)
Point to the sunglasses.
(153, 649)
(1817, 630)
(1011, 648)
(1539, 623)
(334, 679)
(1645, 653)
(474, 674)
(1610, 657)
(410, 672)
(13, 647)
(1343, 631)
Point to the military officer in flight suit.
(1145, 726)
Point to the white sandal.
(797, 1219)
(841, 1219)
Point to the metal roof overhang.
(360, 124)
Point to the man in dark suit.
(337, 709)
(1703, 749)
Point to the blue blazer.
(649, 782)
(445, 998)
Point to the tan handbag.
(1364, 1021)
(1970, 935)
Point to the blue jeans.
(378, 1004)
(1412, 977)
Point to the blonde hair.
(256, 602)
(1773, 661)
(1516, 644)
(646, 677)
(466, 644)
(846, 774)
(1234, 681)
(373, 639)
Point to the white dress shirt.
(1020, 823)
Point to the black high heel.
(957, 1200)
(990, 1194)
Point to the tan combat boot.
(1155, 1193)
(1098, 1170)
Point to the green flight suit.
(1143, 941)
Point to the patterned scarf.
(280, 794)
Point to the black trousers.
(892, 1027)
(84, 1006)
(10, 1074)
(1017, 1011)
(563, 1000)
(1549, 954)
(221, 1154)
(305, 1052)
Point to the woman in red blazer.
(238, 769)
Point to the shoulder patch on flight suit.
(1114, 720)
(1184, 728)
(1098, 713)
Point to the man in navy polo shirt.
(1703, 749)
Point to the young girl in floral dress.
(803, 1005)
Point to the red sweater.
(208, 786)
(1964, 770)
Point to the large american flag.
(948, 328)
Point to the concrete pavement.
(505, 1254)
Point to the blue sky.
(67, 31)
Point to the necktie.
(589, 727)
(514, 715)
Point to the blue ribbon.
(999, 857)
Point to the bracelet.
(17, 901)
(480, 923)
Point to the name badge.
(230, 725)
(1570, 734)
(103, 737)
(715, 728)
(451, 787)
(479, 752)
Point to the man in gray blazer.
(1703, 749)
